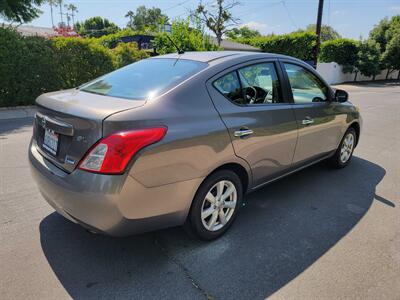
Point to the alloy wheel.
(347, 148)
(219, 205)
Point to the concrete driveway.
(318, 234)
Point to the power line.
(289, 15)
(176, 5)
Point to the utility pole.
(318, 32)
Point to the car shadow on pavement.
(282, 229)
(14, 126)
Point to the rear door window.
(229, 86)
(254, 84)
(144, 79)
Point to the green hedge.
(80, 60)
(30, 66)
(296, 44)
(127, 53)
(342, 51)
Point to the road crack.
(185, 270)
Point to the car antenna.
(175, 45)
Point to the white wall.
(333, 74)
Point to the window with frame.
(306, 87)
(254, 84)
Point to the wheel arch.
(356, 126)
(239, 170)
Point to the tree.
(218, 17)
(51, 4)
(186, 38)
(368, 59)
(73, 9)
(96, 27)
(21, 11)
(391, 56)
(60, 2)
(384, 31)
(327, 32)
(146, 19)
(242, 33)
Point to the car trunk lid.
(68, 123)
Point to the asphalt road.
(317, 234)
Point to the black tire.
(194, 222)
(335, 160)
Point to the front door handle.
(243, 132)
(307, 121)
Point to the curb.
(7, 113)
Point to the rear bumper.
(117, 205)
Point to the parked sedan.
(181, 138)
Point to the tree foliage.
(391, 56)
(21, 11)
(146, 19)
(386, 35)
(327, 32)
(186, 38)
(96, 27)
(368, 58)
(242, 33)
(217, 17)
(342, 51)
(384, 31)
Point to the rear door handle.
(307, 121)
(243, 132)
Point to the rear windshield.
(144, 79)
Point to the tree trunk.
(51, 12)
(388, 73)
(355, 77)
(61, 14)
(219, 39)
(398, 75)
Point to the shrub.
(81, 60)
(112, 40)
(28, 68)
(127, 53)
(342, 51)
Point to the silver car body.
(157, 189)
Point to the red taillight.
(111, 154)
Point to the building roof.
(234, 46)
(27, 30)
(47, 32)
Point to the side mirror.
(341, 96)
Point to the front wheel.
(215, 205)
(344, 153)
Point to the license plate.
(50, 141)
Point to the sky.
(351, 18)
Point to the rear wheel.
(344, 153)
(215, 205)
